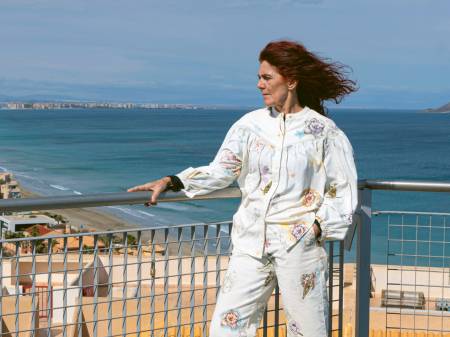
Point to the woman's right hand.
(156, 186)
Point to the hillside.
(443, 109)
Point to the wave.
(175, 207)
(126, 211)
(59, 187)
(146, 213)
(76, 192)
(17, 173)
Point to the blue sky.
(205, 51)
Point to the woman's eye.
(264, 77)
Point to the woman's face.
(273, 86)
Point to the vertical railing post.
(139, 284)
(80, 286)
(341, 289)
(179, 281)
(153, 283)
(205, 280)
(49, 287)
(110, 241)
(276, 323)
(65, 289)
(363, 264)
(1, 283)
(95, 286)
(166, 282)
(34, 302)
(124, 283)
(17, 291)
(330, 287)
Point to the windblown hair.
(318, 79)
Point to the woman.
(296, 172)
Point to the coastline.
(95, 220)
(86, 218)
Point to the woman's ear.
(292, 84)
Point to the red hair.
(318, 79)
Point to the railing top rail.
(405, 185)
(124, 198)
(105, 199)
(409, 213)
(114, 232)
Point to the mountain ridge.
(443, 109)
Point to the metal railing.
(163, 280)
(399, 316)
(158, 281)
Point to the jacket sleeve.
(222, 171)
(341, 191)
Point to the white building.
(17, 223)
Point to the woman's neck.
(290, 105)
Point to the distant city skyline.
(205, 52)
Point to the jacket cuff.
(327, 216)
(184, 178)
(176, 184)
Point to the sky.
(206, 51)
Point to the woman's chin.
(268, 102)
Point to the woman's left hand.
(156, 187)
(317, 230)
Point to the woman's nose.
(260, 84)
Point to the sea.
(77, 152)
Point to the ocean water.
(60, 152)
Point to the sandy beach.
(87, 218)
(94, 219)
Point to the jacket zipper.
(283, 132)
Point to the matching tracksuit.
(292, 170)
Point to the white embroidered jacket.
(291, 170)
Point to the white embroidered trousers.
(302, 274)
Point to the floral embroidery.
(309, 197)
(230, 319)
(299, 134)
(267, 187)
(332, 191)
(230, 162)
(260, 308)
(254, 140)
(264, 172)
(228, 281)
(348, 218)
(197, 175)
(269, 278)
(298, 230)
(308, 283)
(333, 131)
(256, 213)
(294, 327)
(311, 238)
(257, 146)
(314, 127)
(316, 163)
